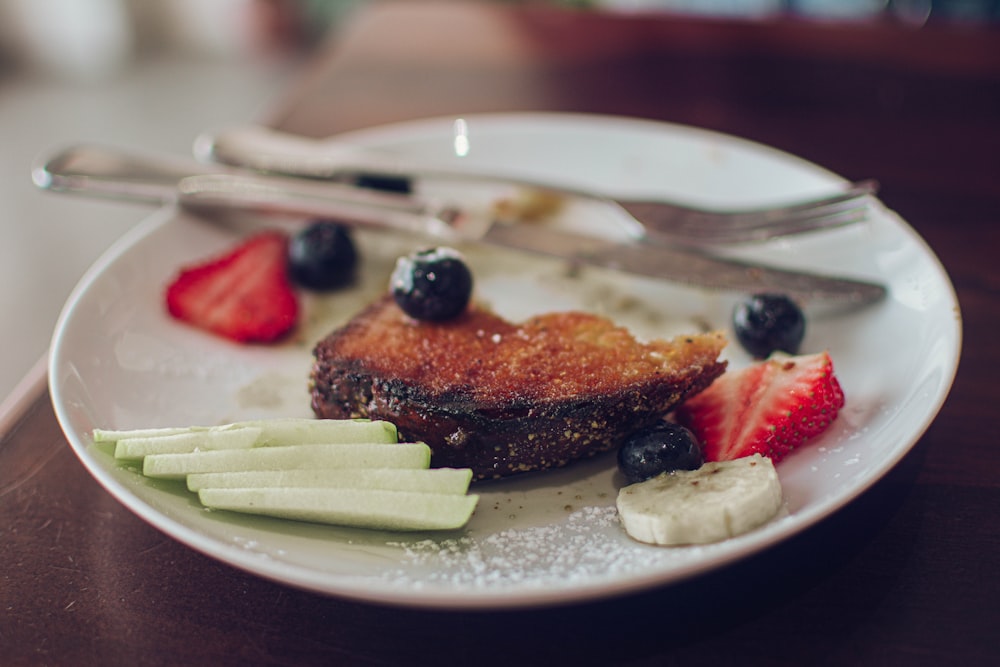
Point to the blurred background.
(154, 74)
(84, 39)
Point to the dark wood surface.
(906, 575)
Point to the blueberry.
(433, 284)
(663, 447)
(765, 323)
(322, 256)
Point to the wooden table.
(906, 575)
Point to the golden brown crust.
(502, 398)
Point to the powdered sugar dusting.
(588, 546)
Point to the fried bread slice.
(500, 397)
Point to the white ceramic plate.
(118, 361)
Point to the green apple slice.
(282, 431)
(437, 480)
(109, 435)
(293, 431)
(177, 443)
(178, 466)
(366, 508)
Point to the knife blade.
(690, 267)
(108, 172)
(452, 224)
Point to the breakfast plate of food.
(536, 431)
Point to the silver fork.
(657, 221)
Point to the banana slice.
(715, 502)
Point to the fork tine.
(775, 220)
(733, 223)
(852, 193)
(788, 227)
(721, 235)
(693, 227)
(855, 197)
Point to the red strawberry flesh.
(768, 408)
(244, 295)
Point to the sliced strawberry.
(768, 408)
(244, 295)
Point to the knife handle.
(107, 172)
(103, 171)
(269, 195)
